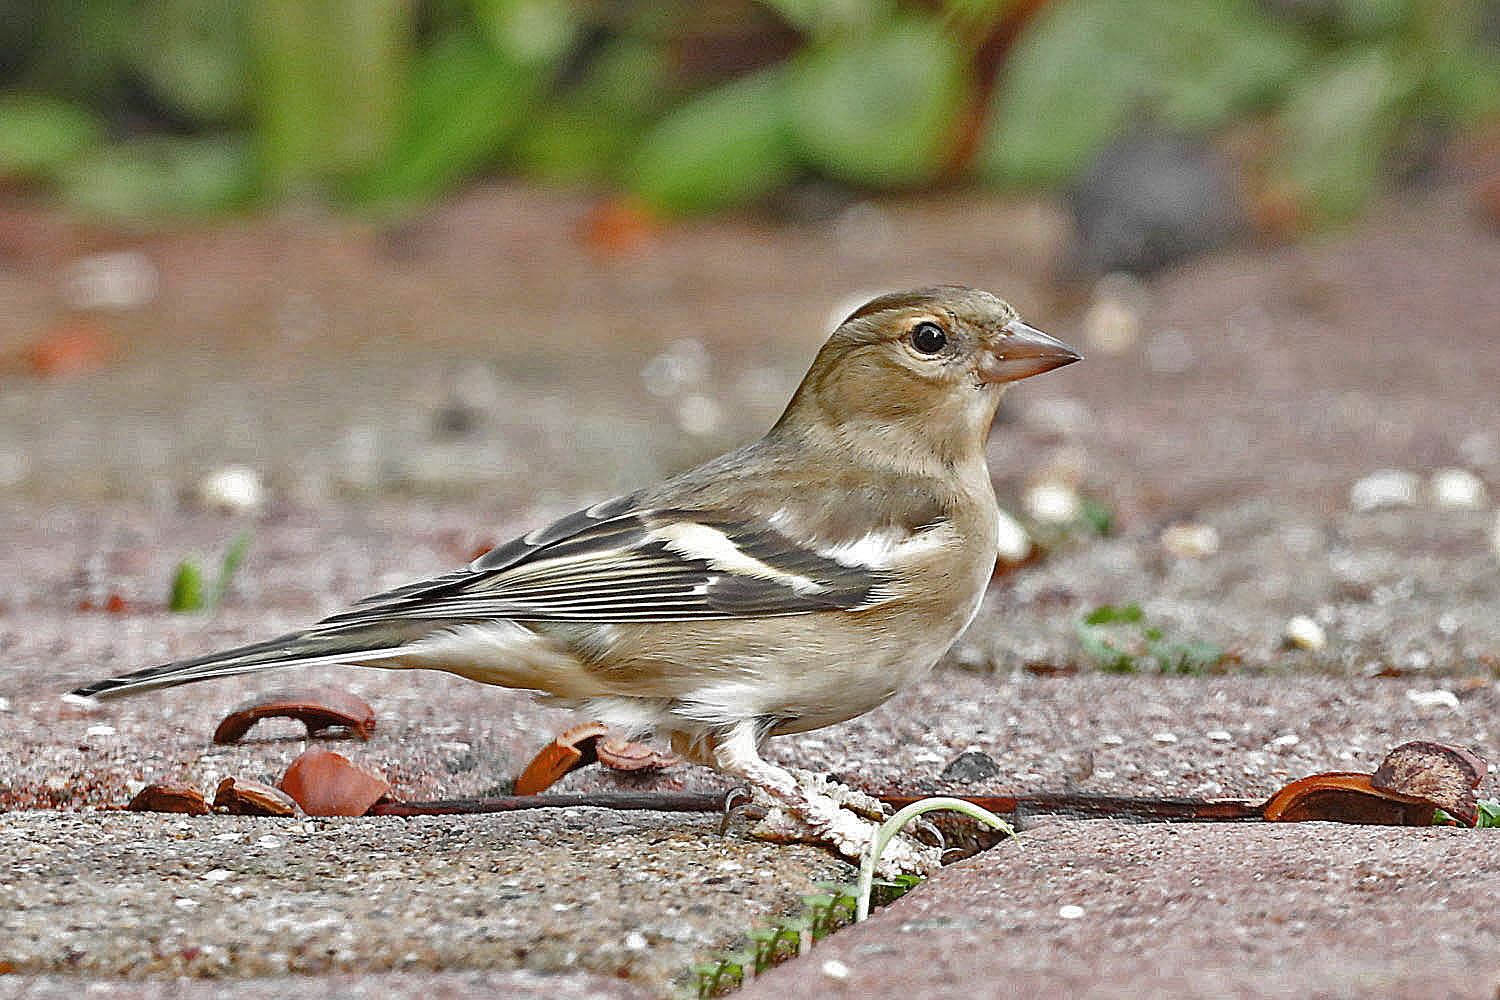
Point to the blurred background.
(337, 293)
(517, 254)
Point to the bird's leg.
(810, 807)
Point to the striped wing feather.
(615, 563)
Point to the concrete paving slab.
(1101, 909)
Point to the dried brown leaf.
(324, 783)
(317, 708)
(252, 798)
(169, 798)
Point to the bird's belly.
(807, 672)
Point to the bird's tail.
(362, 646)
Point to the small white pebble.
(268, 842)
(124, 279)
(635, 941)
(4, 704)
(1190, 540)
(1219, 735)
(1012, 544)
(1386, 488)
(100, 730)
(1071, 911)
(233, 488)
(1111, 325)
(1457, 489)
(183, 903)
(699, 415)
(218, 875)
(1111, 740)
(683, 364)
(1052, 502)
(1164, 737)
(1436, 698)
(1285, 740)
(834, 969)
(1304, 633)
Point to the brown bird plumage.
(793, 583)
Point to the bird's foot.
(846, 819)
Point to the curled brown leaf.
(1346, 797)
(1444, 775)
(317, 708)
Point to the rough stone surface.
(1100, 909)
(622, 895)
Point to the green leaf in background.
(329, 81)
(466, 100)
(193, 55)
(574, 142)
(1463, 83)
(586, 132)
(630, 76)
(79, 47)
(1340, 121)
(1084, 68)
(879, 108)
(41, 135)
(161, 176)
(719, 150)
(1109, 614)
(532, 32)
(822, 18)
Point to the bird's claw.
(845, 819)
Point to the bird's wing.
(618, 562)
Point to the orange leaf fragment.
(623, 755)
(1346, 797)
(73, 346)
(589, 743)
(617, 227)
(169, 798)
(316, 708)
(573, 748)
(324, 783)
(252, 798)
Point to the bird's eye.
(928, 338)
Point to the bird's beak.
(1023, 352)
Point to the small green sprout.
(1120, 641)
(188, 590)
(891, 827)
(822, 913)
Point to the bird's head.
(923, 367)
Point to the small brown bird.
(793, 583)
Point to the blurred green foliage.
(150, 108)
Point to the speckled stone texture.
(1099, 909)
